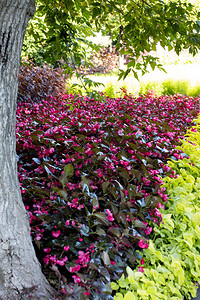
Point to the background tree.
(65, 26)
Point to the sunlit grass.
(179, 79)
(182, 76)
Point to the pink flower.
(128, 219)
(47, 250)
(67, 222)
(74, 269)
(164, 198)
(149, 144)
(76, 278)
(62, 261)
(142, 244)
(110, 215)
(63, 291)
(155, 220)
(146, 181)
(99, 172)
(28, 112)
(86, 293)
(158, 213)
(141, 269)
(159, 205)
(193, 129)
(80, 206)
(167, 168)
(148, 230)
(46, 259)
(56, 234)
(51, 150)
(77, 173)
(124, 163)
(38, 236)
(83, 258)
(66, 248)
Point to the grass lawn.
(186, 72)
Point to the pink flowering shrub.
(90, 179)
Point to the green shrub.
(172, 261)
(151, 86)
(110, 90)
(171, 87)
(114, 91)
(194, 91)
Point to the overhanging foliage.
(60, 29)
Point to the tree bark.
(19, 267)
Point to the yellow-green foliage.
(168, 87)
(172, 261)
(171, 87)
(151, 86)
(194, 91)
(110, 90)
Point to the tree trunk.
(19, 267)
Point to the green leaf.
(95, 201)
(129, 296)
(78, 149)
(100, 231)
(116, 232)
(118, 296)
(103, 271)
(105, 186)
(85, 230)
(105, 257)
(68, 172)
(102, 218)
(114, 286)
(139, 224)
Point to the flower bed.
(171, 264)
(89, 176)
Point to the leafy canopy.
(60, 29)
